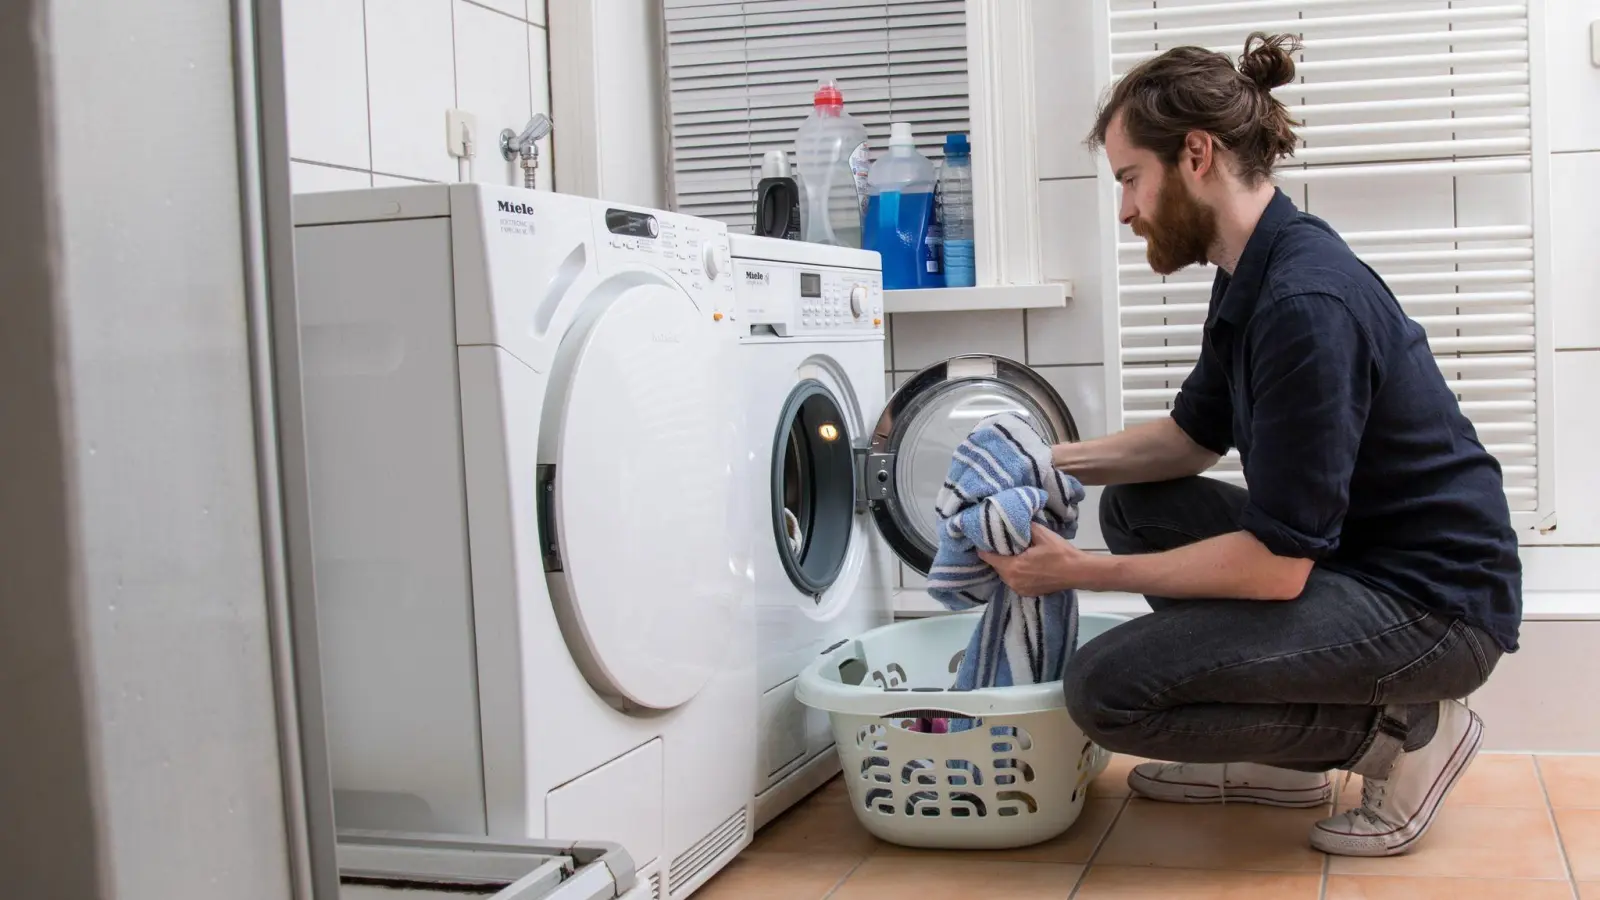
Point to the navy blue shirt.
(1356, 452)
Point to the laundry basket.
(1016, 778)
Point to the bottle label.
(858, 170)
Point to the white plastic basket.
(1017, 778)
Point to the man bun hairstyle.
(1187, 89)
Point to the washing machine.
(843, 473)
(534, 606)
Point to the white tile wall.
(1530, 701)
(1069, 238)
(1063, 63)
(924, 338)
(305, 178)
(325, 57)
(1572, 80)
(1575, 220)
(370, 82)
(492, 81)
(411, 82)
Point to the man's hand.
(1050, 564)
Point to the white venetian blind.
(1417, 146)
(740, 77)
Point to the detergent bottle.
(899, 223)
(830, 154)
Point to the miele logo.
(667, 337)
(754, 277)
(521, 209)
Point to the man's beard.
(1182, 231)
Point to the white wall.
(370, 81)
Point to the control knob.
(858, 300)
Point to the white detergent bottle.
(899, 219)
(830, 152)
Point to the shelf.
(1052, 295)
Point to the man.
(1330, 617)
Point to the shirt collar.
(1241, 290)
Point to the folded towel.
(1001, 485)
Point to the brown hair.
(1188, 89)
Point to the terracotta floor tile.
(1122, 883)
(1580, 834)
(1235, 836)
(1493, 780)
(1572, 780)
(1076, 846)
(1474, 842)
(1113, 782)
(1378, 887)
(779, 876)
(823, 823)
(1589, 890)
(938, 878)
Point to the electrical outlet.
(460, 133)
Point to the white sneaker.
(1396, 812)
(1230, 783)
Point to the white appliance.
(534, 608)
(843, 482)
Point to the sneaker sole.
(1194, 792)
(1400, 840)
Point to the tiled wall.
(369, 82)
(1068, 345)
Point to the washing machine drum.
(814, 490)
(639, 492)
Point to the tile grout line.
(850, 874)
(1555, 825)
(1327, 868)
(1099, 845)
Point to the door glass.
(813, 488)
(932, 436)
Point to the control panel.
(792, 299)
(693, 251)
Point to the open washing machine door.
(635, 476)
(926, 419)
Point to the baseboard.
(796, 786)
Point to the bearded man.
(1331, 616)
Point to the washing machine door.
(926, 420)
(640, 433)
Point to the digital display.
(810, 284)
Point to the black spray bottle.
(777, 199)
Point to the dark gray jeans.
(1344, 677)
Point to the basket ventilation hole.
(867, 736)
(923, 803)
(876, 768)
(969, 768)
(1023, 739)
(890, 676)
(921, 768)
(955, 661)
(880, 800)
(1016, 767)
(1010, 801)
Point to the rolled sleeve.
(1203, 408)
(1312, 377)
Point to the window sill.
(1051, 295)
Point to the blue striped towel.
(1001, 485)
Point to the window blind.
(1423, 108)
(740, 77)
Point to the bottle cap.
(827, 94)
(956, 145)
(775, 164)
(900, 135)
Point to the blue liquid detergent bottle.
(899, 223)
